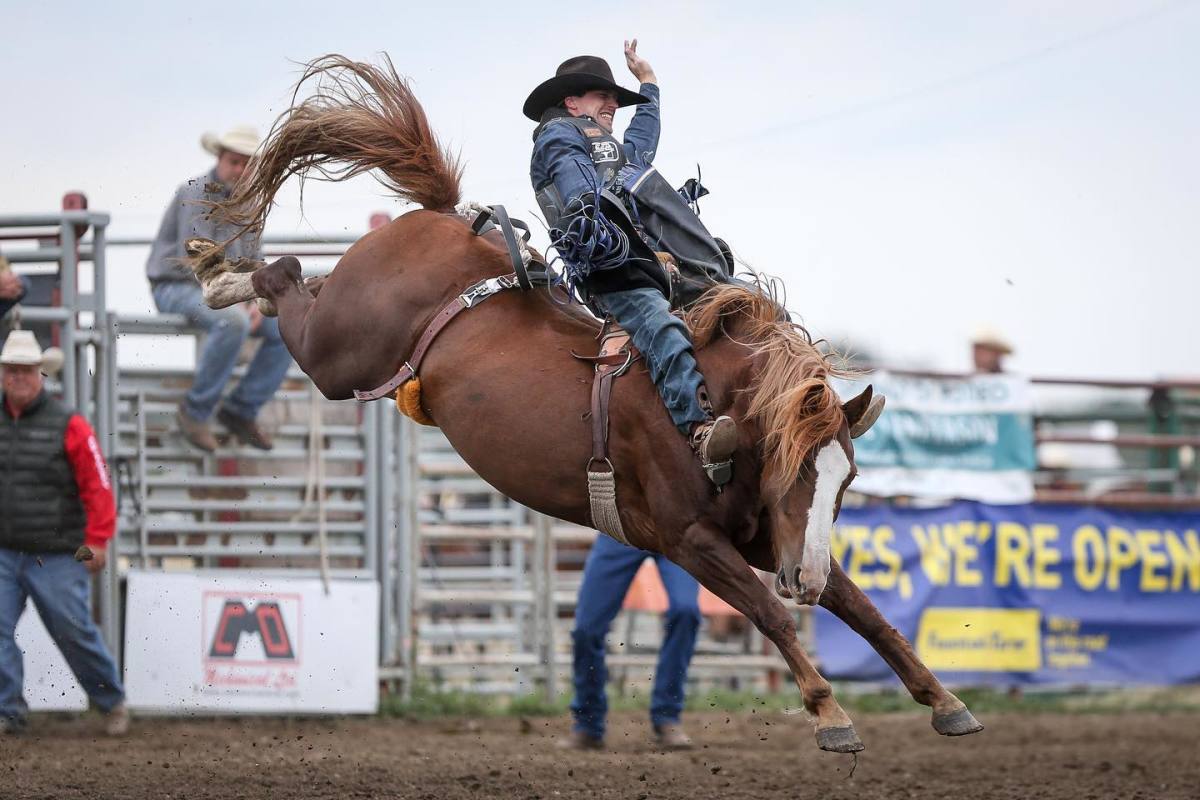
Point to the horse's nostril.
(798, 581)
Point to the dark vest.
(664, 220)
(606, 150)
(40, 510)
(608, 156)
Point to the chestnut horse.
(501, 382)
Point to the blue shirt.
(561, 150)
(186, 217)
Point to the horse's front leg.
(713, 560)
(852, 606)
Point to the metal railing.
(473, 585)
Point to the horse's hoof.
(956, 723)
(839, 740)
(227, 289)
(198, 244)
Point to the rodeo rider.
(586, 182)
(576, 158)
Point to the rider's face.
(599, 104)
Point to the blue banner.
(1024, 594)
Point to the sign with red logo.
(258, 619)
(248, 641)
(237, 641)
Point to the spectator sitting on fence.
(57, 511)
(12, 290)
(988, 350)
(177, 291)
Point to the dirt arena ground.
(1086, 756)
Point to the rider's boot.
(714, 442)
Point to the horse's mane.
(790, 396)
(361, 118)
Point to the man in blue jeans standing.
(610, 568)
(56, 498)
(176, 290)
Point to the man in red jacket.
(55, 496)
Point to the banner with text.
(239, 641)
(969, 437)
(1024, 594)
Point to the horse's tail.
(790, 397)
(361, 118)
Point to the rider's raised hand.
(639, 66)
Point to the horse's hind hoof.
(226, 289)
(956, 723)
(204, 256)
(839, 740)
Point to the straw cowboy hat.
(242, 139)
(574, 77)
(22, 349)
(986, 336)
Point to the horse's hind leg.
(852, 606)
(713, 560)
(280, 282)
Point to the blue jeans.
(227, 329)
(609, 570)
(60, 590)
(666, 347)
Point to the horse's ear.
(862, 411)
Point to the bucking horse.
(501, 381)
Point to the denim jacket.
(560, 151)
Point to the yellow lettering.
(884, 536)
(1088, 549)
(1012, 554)
(1122, 554)
(1045, 556)
(935, 560)
(965, 553)
(861, 556)
(1151, 560)
(1185, 560)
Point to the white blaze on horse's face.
(832, 467)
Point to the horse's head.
(803, 427)
(803, 513)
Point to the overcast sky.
(910, 170)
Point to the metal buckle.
(482, 291)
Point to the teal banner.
(969, 437)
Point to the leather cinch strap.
(471, 297)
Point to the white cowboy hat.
(22, 349)
(243, 139)
(986, 336)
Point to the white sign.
(238, 641)
(49, 683)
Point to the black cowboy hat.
(574, 77)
